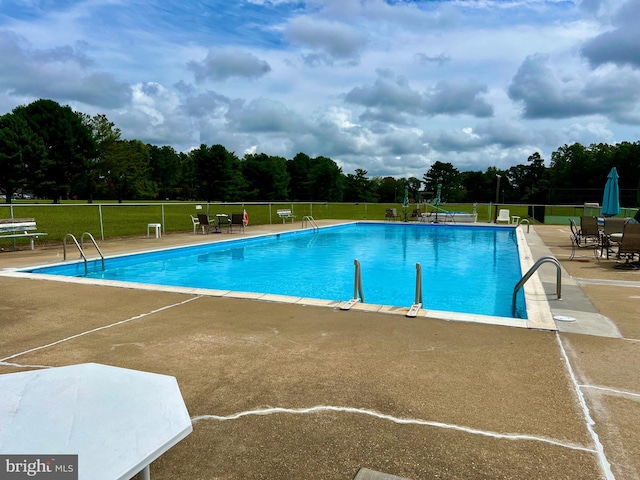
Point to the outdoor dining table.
(221, 219)
(117, 421)
(616, 237)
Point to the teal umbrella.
(405, 202)
(611, 200)
(438, 200)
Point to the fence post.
(164, 228)
(101, 222)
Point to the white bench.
(286, 213)
(19, 227)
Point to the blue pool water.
(467, 269)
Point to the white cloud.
(389, 87)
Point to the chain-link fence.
(112, 220)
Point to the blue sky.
(386, 86)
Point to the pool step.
(413, 311)
(349, 304)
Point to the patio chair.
(391, 214)
(589, 230)
(580, 240)
(417, 213)
(237, 220)
(503, 216)
(588, 234)
(204, 222)
(629, 247)
(608, 236)
(196, 224)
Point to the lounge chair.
(503, 216)
(237, 219)
(629, 247)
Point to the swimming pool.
(466, 269)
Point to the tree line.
(52, 152)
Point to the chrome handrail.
(64, 249)
(413, 311)
(357, 282)
(418, 283)
(93, 240)
(309, 219)
(528, 275)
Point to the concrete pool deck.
(284, 391)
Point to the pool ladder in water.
(308, 219)
(81, 249)
(358, 293)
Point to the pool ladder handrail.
(358, 294)
(531, 271)
(522, 221)
(309, 219)
(80, 249)
(93, 240)
(417, 304)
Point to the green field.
(111, 220)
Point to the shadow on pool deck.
(416, 398)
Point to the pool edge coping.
(539, 314)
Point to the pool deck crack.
(398, 420)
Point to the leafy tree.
(299, 186)
(266, 176)
(165, 170)
(358, 188)
(414, 189)
(572, 165)
(475, 186)
(188, 180)
(217, 173)
(325, 180)
(536, 177)
(105, 134)
(125, 171)
(20, 148)
(626, 159)
(388, 189)
(69, 143)
(515, 184)
(448, 176)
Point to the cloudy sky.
(389, 86)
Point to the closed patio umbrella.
(438, 200)
(611, 199)
(405, 202)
